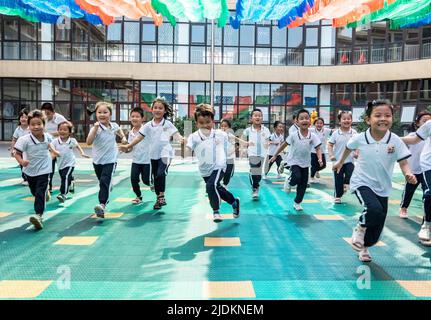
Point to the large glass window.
(131, 32)
(247, 35)
(182, 33)
(263, 35)
(115, 32)
(148, 32)
(279, 37)
(310, 95)
(312, 37)
(230, 36)
(198, 33)
(294, 37)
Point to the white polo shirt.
(300, 148)
(339, 141)
(141, 151)
(293, 129)
(210, 150)
(416, 150)
(19, 132)
(272, 149)
(323, 135)
(40, 161)
(260, 140)
(105, 148)
(52, 125)
(230, 146)
(375, 165)
(424, 132)
(159, 136)
(67, 157)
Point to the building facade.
(129, 63)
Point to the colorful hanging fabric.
(48, 11)
(258, 10)
(131, 9)
(194, 10)
(421, 22)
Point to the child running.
(422, 134)
(65, 144)
(336, 145)
(379, 149)
(209, 146)
(141, 163)
(38, 163)
(275, 140)
(20, 131)
(299, 160)
(414, 162)
(323, 134)
(257, 136)
(159, 132)
(102, 137)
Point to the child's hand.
(123, 147)
(320, 162)
(250, 143)
(272, 159)
(85, 156)
(411, 178)
(355, 155)
(332, 158)
(123, 140)
(96, 124)
(337, 167)
(25, 163)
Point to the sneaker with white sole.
(358, 236)
(99, 210)
(297, 206)
(255, 194)
(236, 208)
(61, 198)
(24, 183)
(279, 176)
(137, 200)
(36, 221)
(337, 200)
(318, 175)
(346, 188)
(217, 217)
(313, 180)
(48, 196)
(265, 177)
(287, 188)
(72, 187)
(424, 233)
(364, 255)
(403, 213)
(280, 169)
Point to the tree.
(179, 124)
(396, 124)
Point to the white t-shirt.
(19, 132)
(40, 161)
(272, 149)
(424, 132)
(210, 150)
(141, 151)
(375, 165)
(105, 148)
(159, 136)
(300, 148)
(52, 125)
(260, 141)
(230, 146)
(323, 135)
(339, 139)
(416, 151)
(67, 157)
(293, 129)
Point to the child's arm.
(279, 150)
(92, 134)
(121, 134)
(339, 164)
(178, 137)
(19, 159)
(319, 155)
(356, 154)
(405, 168)
(12, 146)
(81, 151)
(331, 152)
(52, 149)
(413, 139)
(126, 147)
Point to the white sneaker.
(364, 255)
(297, 206)
(318, 175)
(255, 194)
(265, 177)
(346, 187)
(403, 213)
(358, 238)
(287, 188)
(313, 180)
(280, 169)
(424, 233)
(36, 220)
(337, 200)
(24, 183)
(99, 210)
(47, 196)
(72, 187)
(217, 217)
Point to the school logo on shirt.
(391, 148)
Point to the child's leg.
(24, 177)
(65, 176)
(427, 195)
(230, 169)
(255, 171)
(314, 164)
(339, 183)
(267, 166)
(52, 174)
(41, 186)
(32, 184)
(160, 174)
(134, 179)
(154, 168)
(302, 184)
(146, 173)
(105, 182)
(373, 216)
(348, 171)
(409, 191)
(224, 194)
(324, 163)
(278, 161)
(211, 190)
(295, 175)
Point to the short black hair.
(22, 112)
(376, 103)
(302, 111)
(255, 110)
(138, 110)
(321, 119)
(341, 112)
(229, 124)
(47, 106)
(276, 123)
(36, 114)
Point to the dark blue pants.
(138, 172)
(104, 173)
(343, 178)
(38, 186)
(216, 191)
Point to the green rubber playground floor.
(270, 252)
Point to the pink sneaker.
(403, 213)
